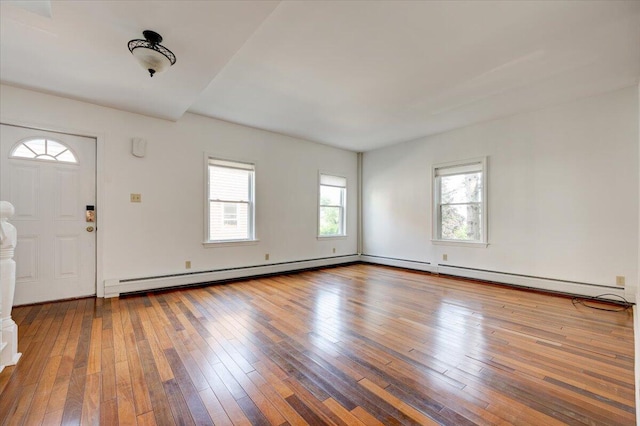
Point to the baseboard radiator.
(400, 263)
(538, 283)
(114, 287)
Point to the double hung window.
(460, 194)
(332, 206)
(231, 205)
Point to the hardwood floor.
(351, 345)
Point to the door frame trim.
(99, 170)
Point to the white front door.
(50, 180)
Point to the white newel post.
(9, 330)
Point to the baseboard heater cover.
(115, 287)
(400, 263)
(551, 285)
(538, 283)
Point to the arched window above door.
(44, 150)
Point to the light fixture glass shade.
(151, 55)
(151, 60)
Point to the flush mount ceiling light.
(152, 56)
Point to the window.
(332, 202)
(460, 194)
(230, 201)
(43, 149)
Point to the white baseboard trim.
(400, 263)
(545, 284)
(115, 287)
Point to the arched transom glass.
(43, 149)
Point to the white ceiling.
(353, 74)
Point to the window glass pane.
(332, 205)
(37, 145)
(67, 157)
(461, 222)
(330, 220)
(229, 184)
(219, 229)
(54, 148)
(23, 152)
(461, 188)
(47, 151)
(231, 203)
(330, 195)
(230, 213)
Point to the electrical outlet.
(187, 264)
(334, 249)
(266, 256)
(136, 198)
(445, 257)
(620, 280)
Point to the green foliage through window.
(332, 206)
(460, 207)
(459, 201)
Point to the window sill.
(474, 244)
(229, 243)
(331, 237)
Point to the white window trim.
(343, 235)
(230, 243)
(435, 200)
(332, 237)
(227, 243)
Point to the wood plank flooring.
(351, 345)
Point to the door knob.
(89, 228)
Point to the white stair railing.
(9, 354)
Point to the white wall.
(563, 190)
(156, 236)
(563, 193)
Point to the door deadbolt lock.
(90, 214)
(89, 228)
